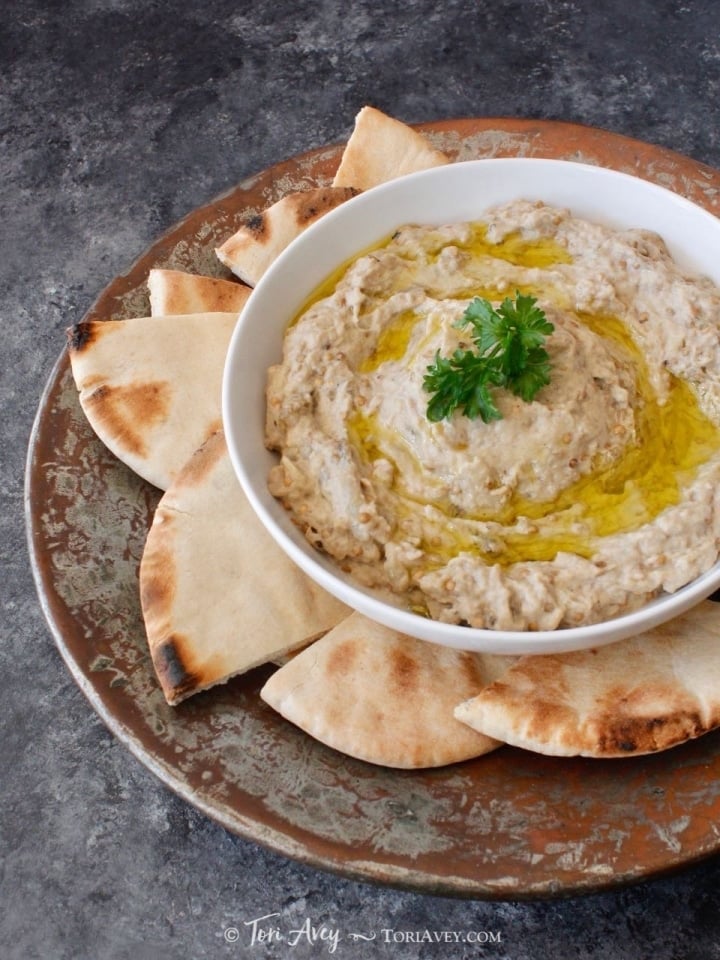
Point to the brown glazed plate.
(510, 825)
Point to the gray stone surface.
(116, 118)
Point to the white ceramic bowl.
(453, 193)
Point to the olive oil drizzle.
(393, 341)
(674, 439)
(514, 248)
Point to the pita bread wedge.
(638, 696)
(218, 595)
(151, 386)
(176, 292)
(381, 696)
(260, 239)
(381, 148)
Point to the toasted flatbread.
(259, 240)
(381, 148)
(176, 292)
(151, 386)
(381, 696)
(218, 595)
(634, 697)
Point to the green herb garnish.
(509, 353)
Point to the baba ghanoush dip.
(579, 505)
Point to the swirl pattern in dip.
(575, 507)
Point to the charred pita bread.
(151, 386)
(259, 240)
(218, 595)
(638, 696)
(176, 292)
(381, 696)
(381, 149)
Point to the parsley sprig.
(508, 353)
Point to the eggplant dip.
(486, 503)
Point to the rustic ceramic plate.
(510, 825)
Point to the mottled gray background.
(116, 118)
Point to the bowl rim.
(322, 569)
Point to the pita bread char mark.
(151, 387)
(380, 696)
(176, 292)
(169, 662)
(263, 236)
(218, 596)
(635, 697)
(116, 409)
(382, 148)
(315, 203)
(80, 336)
